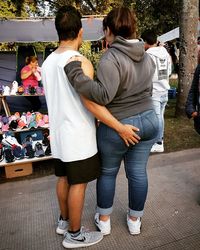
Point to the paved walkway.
(28, 209)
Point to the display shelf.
(3, 163)
(21, 167)
(26, 129)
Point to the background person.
(192, 106)
(161, 85)
(124, 85)
(31, 75)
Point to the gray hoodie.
(124, 79)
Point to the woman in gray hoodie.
(124, 86)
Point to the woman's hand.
(75, 58)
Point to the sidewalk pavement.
(29, 209)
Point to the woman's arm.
(127, 132)
(101, 91)
(25, 73)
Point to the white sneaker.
(157, 148)
(134, 226)
(62, 226)
(14, 88)
(6, 90)
(103, 226)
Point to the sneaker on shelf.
(17, 152)
(157, 147)
(14, 88)
(13, 125)
(45, 140)
(134, 226)
(6, 90)
(10, 141)
(103, 226)
(39, 151)
(5, 127)
(83, 239)
(29, 151)
(62, 226)
(1, 152)
(48, 150)
(9, 157)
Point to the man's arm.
(127, 132)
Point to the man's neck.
(68, 45)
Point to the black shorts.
(78, 172)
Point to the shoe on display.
(103, 226)
(6, 90)
(134, 226)
(83, 239)
(48, 150)
(10, 141)
(1, 152)
(14, 88)
(29, 152)
(157, 148)
(39, 151)
(45, 141)
(13, 125)
(62, 226)
(9, 157)
(17, 152)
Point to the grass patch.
(179, 132)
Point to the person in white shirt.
(160, 80)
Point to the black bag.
(197, 124)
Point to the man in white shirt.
(160, 80)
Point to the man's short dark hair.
(149, 36)
(68, 23)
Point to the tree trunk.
(188, 50)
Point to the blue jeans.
(113, 150)
(159, 104)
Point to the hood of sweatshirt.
(132, 48)
(158, 51)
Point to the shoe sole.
(157, 151)
(135, 233)
(60, 231)
(71, 245)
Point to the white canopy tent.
(169, 36)
(173, 34)
(43, 30)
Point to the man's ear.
(80, 33)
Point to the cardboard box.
(18, 170)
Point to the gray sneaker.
(84, 239)
(62, 226)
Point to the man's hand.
(128, 133)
